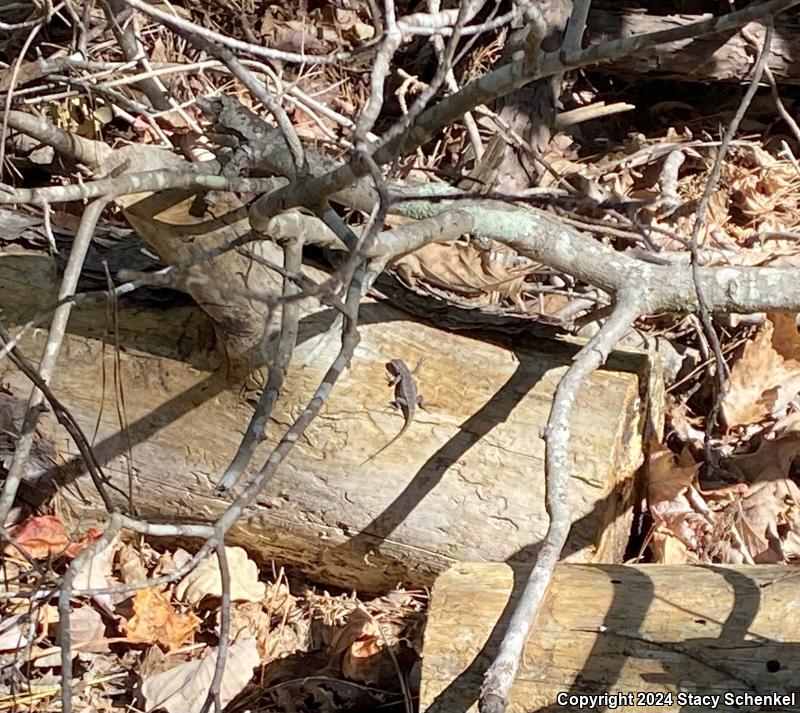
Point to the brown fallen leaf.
(767, 375)
(131, 566)
(463, 269)
(75, 548)
(95, 572)
(669, 549)
(41, 537)
(184, 688)
(87, 632)
(769, 521)
(205, 580)
(679, 520)
(769, 515)
(666, 478)
(155, 621)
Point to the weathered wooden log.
(464, 482)
(649, 637)
(704, 59)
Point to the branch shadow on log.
(621, 639)
(528, 373)
(140, 430)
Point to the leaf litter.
(156, 646)
(163, 640)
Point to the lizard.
(406, 397)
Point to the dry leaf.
(75, 548)
(463, 269)
(770, 522)
(41, 537)
(666, 479)
(95, 573)
(286, 640)
(248, 619)
(129, 561)
(668, 549)
(785, 337)
(206, 580)
(183, 689)
(12, 639)
(769, 515)
(86, 625)
(155, 621)
(767, 375)
(679, 519)
(87, 635)
(687, 426)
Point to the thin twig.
(215, 690)
(700, 217)
(51, 350)
(278, 368)
(65, 418)
(500, 676)
(64, 596)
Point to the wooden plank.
(670, 631)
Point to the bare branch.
(51, 350)
(711, 186)
(65, 418)
(174, 21)
(278, 367)
(573, 36)
(500, 676)
(64, 596)
(488, 88)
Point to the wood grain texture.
(707, 630)
(465, 482)
(703, 59)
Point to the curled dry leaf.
(183, 689)
(41, 537)
(462, 269)
(769, 514)
(206, 580)
(666, 478)
(75, 548)
(95, 573)
(767, 375)
(155, 621)
(131, 567)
